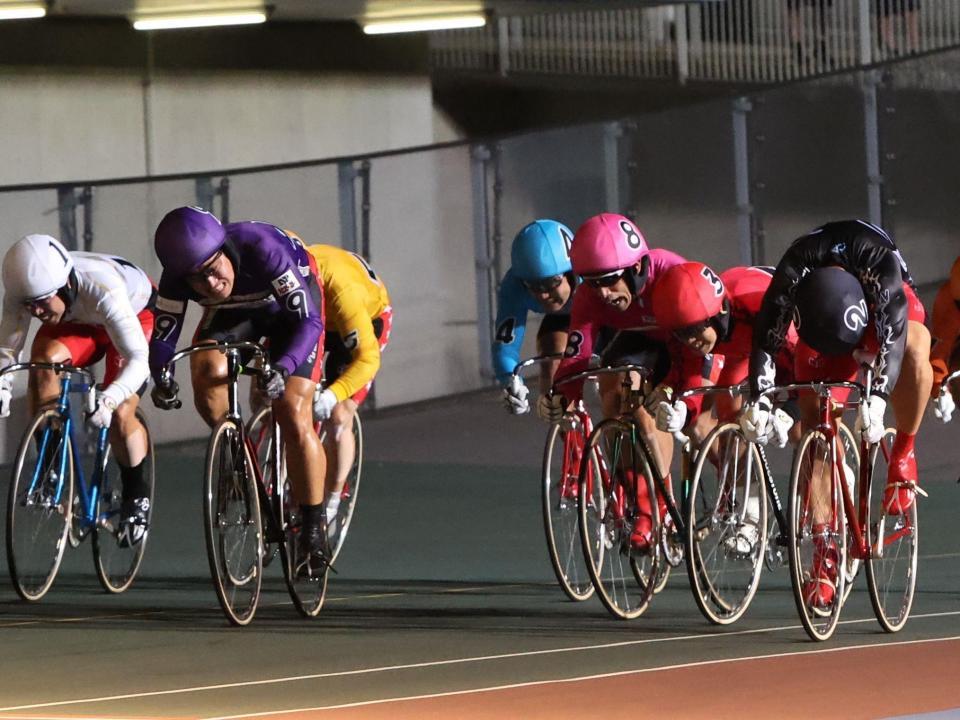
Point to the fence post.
(741, 167)
(347, 193)
(613, 198)
(871, 137)
(66, 209)
(681, 45)
(503, 45)
(866, 37)
(480, 157)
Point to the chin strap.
(68, 293)
(637, 279)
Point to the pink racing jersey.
(589, 314)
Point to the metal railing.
(752, 41)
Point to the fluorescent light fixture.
(171, 21)
(424, 24)
(22, 10)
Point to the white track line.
(582, 678)
(440, 663)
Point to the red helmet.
(687, 294)
(605, 243)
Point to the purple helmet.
(186, 238)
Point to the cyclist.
(712, 317)
(254, 281)
(359, 318)
(945, 329)
(837, 281)
(91, 305)
(539, 280)
(619, 272)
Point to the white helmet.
(35, 267)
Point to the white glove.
(515, 396)
(323, 404)
(103, 412)
(780, 424)
(550, 408)
(754, 421)
(870, 418)
(943, 405)
(6, 397)
(671, 418)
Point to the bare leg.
(306, 461)
(43, 387)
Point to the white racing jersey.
(110, 293)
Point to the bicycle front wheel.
(817, 544)
(622, 572)
(892, 539)
(726, 521)
(117, 556)
(560, 485)
(232, 523)
(39, 505)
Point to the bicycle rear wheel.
(117, 561)
(232, 523)
(560, 484)
(39, 505)
(337, 531)
(608, 510)
(817, 537)
(726, 522)
(893, 541)
(307, 587)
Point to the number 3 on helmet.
(687, 294)
(607, 242)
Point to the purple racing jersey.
(273, 277)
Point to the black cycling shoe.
(134, 521)
(313, 551)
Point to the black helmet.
(831, 311)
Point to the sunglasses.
(605, 280)
(38, 303)
(690, 331)
(544, 284)
(208, 270)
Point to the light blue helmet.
(541, 249)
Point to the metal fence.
(727, 183)
(743, 41)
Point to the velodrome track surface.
(445, 606)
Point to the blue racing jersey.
(514, 302)
(273, 272)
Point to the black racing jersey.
(862, 249)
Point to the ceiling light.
(22, 10)
(424, 24)
(170, 20)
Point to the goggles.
(543, 284)
(690, 331)
(208, 269)
(603, 280)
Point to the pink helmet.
(605, 243)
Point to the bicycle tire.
(893, 541)
(819, 623)
(232, 523)
(851, 450)
(260, 432)
(560, 481)
(117, 564)
(48, 506)
(307, 590)
(608, 509)
(726, 525)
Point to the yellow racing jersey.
(353, 297)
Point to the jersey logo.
(855, 316)
(170, 306)
(286, 283)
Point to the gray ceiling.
(321, 10)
